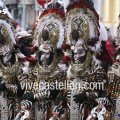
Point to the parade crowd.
(68, 45)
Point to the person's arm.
(88, 94)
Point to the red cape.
(108, 53)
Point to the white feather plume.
(10, 32)
(5, 10)
(63, 67)
(96, 61)
(69, 74)
(34, 55)
(96, 4)
(118, 57)
(98, 46)
(8, 13)
(103, 32)
(26, 63)
(40, 12)
(25, 70)
(20, 55)
(65, 4)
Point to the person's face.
(28, 43)
(79, 54)
(75, 35)
(45, 35)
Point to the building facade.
(24, 10)
(108, 10)
(12, 6)
(30, 14)
(111, 11)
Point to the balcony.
(28, 2)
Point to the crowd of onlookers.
(18, 27)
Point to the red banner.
(42, 2)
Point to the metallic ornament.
(3, 109)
